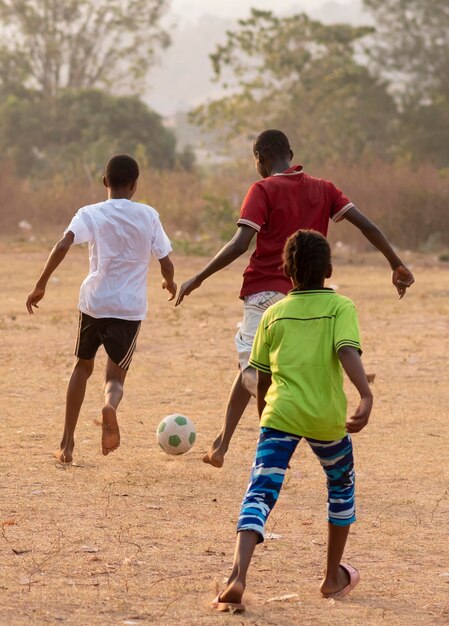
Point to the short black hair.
(121, 170)
(272, 143)
(307, 256)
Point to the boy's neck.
(277, 167)
(119, 194)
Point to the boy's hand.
(171, 288)
(35, 296)
(360, 418)
(187, 287)
(402, 279)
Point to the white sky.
(192, 9)
(183, 76)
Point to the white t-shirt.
(122, 237)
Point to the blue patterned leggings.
(274, 451)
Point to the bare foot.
(64, 455)
(330, 587)
(214, 457)
(110, 439)
(232, 595)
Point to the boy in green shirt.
(297, 352)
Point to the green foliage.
(425, 133)
(219, 217)
(59, 44)
(196, 245)
(312, 81)
(301, 76)
(81, 127)
(412, 44)
(420, 216)
(217, 222)
(411, 48)
(54, 56)
(186, 158)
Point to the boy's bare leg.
(237, 403)
(113, 393)
(75, 395)
(335, 578)
(244, 549)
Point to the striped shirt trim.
(301, 319)
(339, 215)
(350, 343)
(244, 222)
(347, 342)
(260, 366)
(314, 292)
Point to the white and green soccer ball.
(176, 434)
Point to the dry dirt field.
(143, 538)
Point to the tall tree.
(411, 45)
(411, 48)
(300, 75)
(81, 129)
(55, 44)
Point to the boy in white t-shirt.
(122, 237)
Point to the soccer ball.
(176, 434)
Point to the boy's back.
(122, 237)
(297, 343)
(278, 206)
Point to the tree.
(301, 76)
(411, 48)
(58, 44)
(411, 45)
(81, 129)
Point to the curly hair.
(272, 143)
(121, 170)
(307, 256)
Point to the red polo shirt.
(277, 207)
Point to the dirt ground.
(143, 538)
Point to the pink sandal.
(354, 578)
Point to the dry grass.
(140, 537)
(408, 204)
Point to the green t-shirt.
(297, 343)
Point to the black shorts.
(117, 336)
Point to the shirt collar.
(299, 292)
(295, 169)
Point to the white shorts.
(254, 306)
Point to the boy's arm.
(402, 276)
(263, 384)
(352, 364)
(231, 251)
(168, 274)
(56, 256)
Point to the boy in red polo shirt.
(284, 201)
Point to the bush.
(200, 211)
(408, 203)
(78, 130)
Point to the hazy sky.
(182, 78)
(192, 9)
